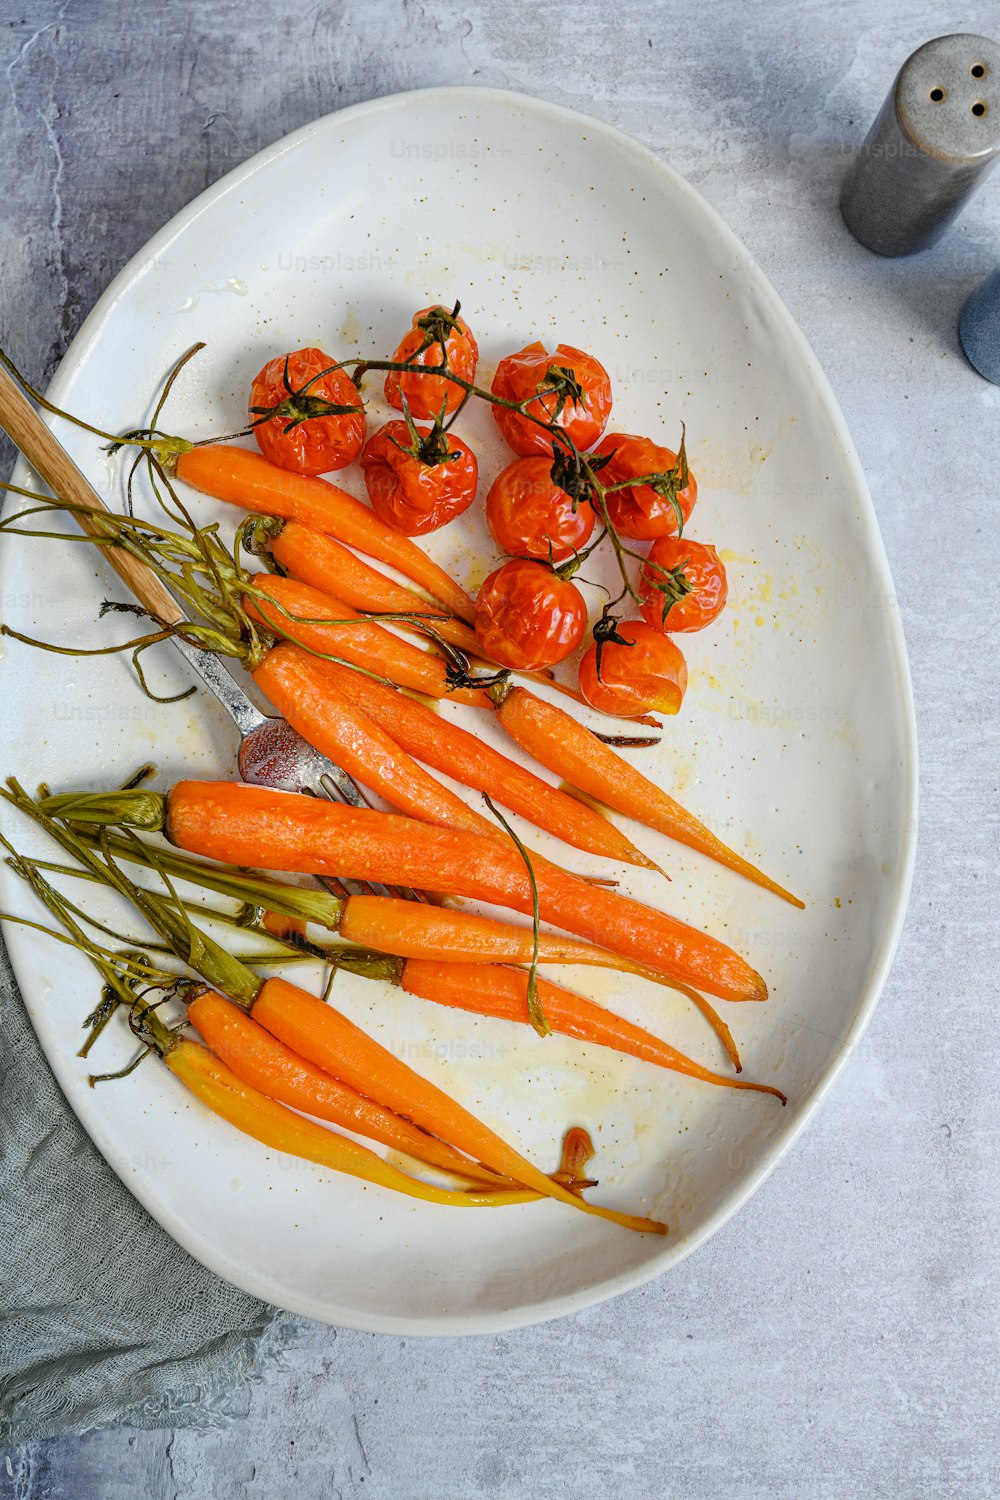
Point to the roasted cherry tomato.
(568, 387)
(684, 583)
(527, 617)
(530, 516)
(649, 673)
(425, 394)
(311, 425)
(640, 511)
(418, 483)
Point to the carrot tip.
(777, 890)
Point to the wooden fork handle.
(49, 459)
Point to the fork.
(271, 752)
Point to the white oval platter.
(796, 741)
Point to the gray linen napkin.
(82, 1344)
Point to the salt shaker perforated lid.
(934, 140)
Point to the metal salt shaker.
(934, 140)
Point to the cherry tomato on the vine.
(568, 387)
(646, 674)
(305, 419)
(527, 617)
(530, 516)
(418, 484)
(425, 394)
(642, 511)
(690, 591)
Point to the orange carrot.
(313, 1030)
(299, 688)
(489, 990)
(322, 1035)
(334, 569)
(260, 1060)
(280, 925)
(413, 930)
(390, 924)
(570, 751)
(269, 1122)
(416, 930)
(448, 748)
(255, 826)
(297, 609)
(246, 478)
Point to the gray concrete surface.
(839, 1338)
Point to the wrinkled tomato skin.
(528, 618)
(703, 569)
(648, 675)
(518, 377)
(638, 512)
(527, 513)
(411, 496)
(319, 444)
(425, 393)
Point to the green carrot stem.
(251, 887)
(166, 916)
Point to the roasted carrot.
(314, 1030)
(413, 930)
(260, 1060)
(255, 826)
(271, 1123)
(491, 990)
(281, 926)
(318, 1032)
(447, 747)
(299, 611)
(410, 929)
(570, 751)
(390, 924)
(300, 689)
(416, 930)
(247, 479)
(334, 569)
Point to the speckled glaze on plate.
(796, 741)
